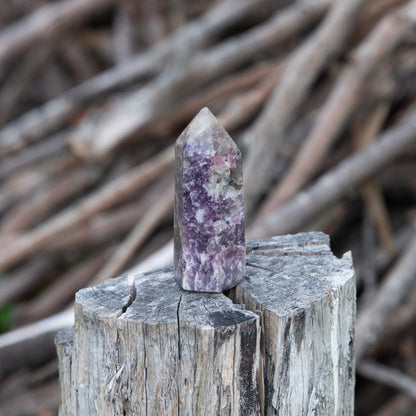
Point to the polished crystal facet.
(209, 207)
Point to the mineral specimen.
(209, 207)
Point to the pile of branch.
(321, 97)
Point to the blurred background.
(319, 95)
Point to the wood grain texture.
(306, 297)
(64, 347)
(281, 343)
(168, 352)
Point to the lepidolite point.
(209, 207)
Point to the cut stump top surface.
(289, 273)
(157, 298)
(285, 274)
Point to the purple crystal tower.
(209, 207)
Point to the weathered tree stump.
(281, 343)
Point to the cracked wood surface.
(306, 298)
(278, 344)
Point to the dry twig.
(38, 338)
(60, 293)
(371, 191)
(338, 182)
(388, 376)
(371, 320)
(18, 82)
(339, 105)
(24, 280)
(401, 404)
(46, 23)
(150, 221)
(102, 228)
(270, 128)
(99, 200)
(42, 204)
(50, 116)
(243, 107)
(123, 119)
(45, 149)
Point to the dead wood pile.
(321, 97)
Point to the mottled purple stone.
(209, 207)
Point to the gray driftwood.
(281, 343)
